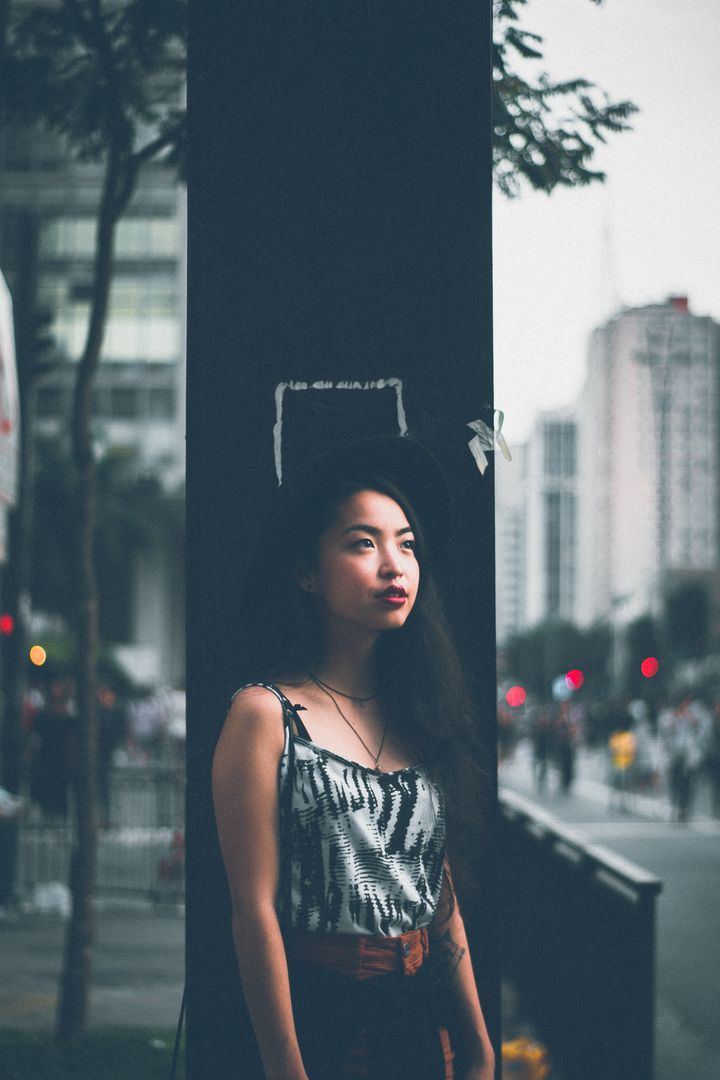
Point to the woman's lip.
(393, 599)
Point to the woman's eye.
(364, 543)
(409, 544)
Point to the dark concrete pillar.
(339, 284)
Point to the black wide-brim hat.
(402, 460)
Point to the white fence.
(141, 846)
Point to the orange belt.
(360, 956)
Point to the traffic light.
(7, 624)
(650, 667)
(574, 679)
(516, 696)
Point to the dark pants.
(365, 1008)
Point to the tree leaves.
(99, 74)
(545, 132)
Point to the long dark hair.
(419, 673)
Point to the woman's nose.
(390, 565)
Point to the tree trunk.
(121, 175)
(75, 977)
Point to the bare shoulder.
(253, 723)
(255, 701)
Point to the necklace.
(351, 697)
(375, 757)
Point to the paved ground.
(686, 857)
(138, 968)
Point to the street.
(687, 859)
(137, 968)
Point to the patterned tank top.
(362, 852)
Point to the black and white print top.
(362, 851)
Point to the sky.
(564, 263)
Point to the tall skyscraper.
(649, 452)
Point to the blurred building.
(47, 221)
(536, 527)
(550, 522)
(510, 520)
(613, 506)
(649, 450)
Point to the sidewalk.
(137, 968)
(591, 783)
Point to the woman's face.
(367, 574)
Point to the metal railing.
(578, 943)
(141, 846)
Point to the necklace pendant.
(360, 701)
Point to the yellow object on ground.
(524, 1059)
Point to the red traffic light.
(7, 623)
(574, 678)
(515, 696)
(649, 667)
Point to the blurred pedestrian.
(54, 750)
(685, 733)
(565, 735)
(506, 734)
(111, 734)
(540, 734)
(622, 747)
(146, 723)
(645, 768)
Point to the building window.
(68, 238)
(161, 402)
(124, 402)
(559, 446)
(135, 238)
(143, 321)
(148, 237)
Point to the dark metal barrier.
(577, 927)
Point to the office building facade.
(649, 451)
(47, 239)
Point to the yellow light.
(38, 656)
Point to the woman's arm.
(245, 792)
(448, 934)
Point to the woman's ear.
(306, 579)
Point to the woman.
(343, 765)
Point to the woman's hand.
(481, 1066)
(469, 1032)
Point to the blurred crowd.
(664, 751)
(144, 729)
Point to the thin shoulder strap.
(291, 713)
(292, 724)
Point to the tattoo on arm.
(449, 952)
